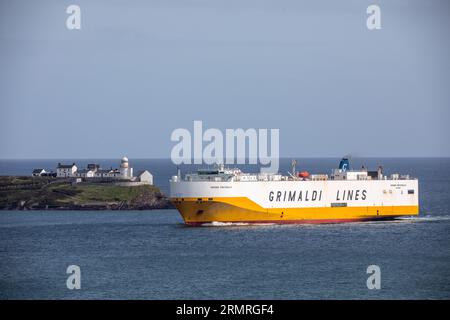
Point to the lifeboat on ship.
(303, 174)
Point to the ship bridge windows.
(411, 191)
(207, 172)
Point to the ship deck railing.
(257, 178)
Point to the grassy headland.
(51, 193)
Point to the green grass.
(42, 191)
(85, 193)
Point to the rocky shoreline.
(39, 193)
(152, 205)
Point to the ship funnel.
(344, 165)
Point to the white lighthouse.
(125, 171)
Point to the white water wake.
(425, 218)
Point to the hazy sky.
(137, 70)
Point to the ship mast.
(293, 164)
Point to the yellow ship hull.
(198, 211)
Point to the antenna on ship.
(293, 164)
(293, 174)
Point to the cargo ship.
(221, 195)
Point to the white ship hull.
(298, 201)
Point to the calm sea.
(152, 255)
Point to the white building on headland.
(94, 171)
(145, 177)
(85, 173)
(125, 171)
(108, 174)
(38, 172)
(66, 170)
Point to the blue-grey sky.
(137, 70)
